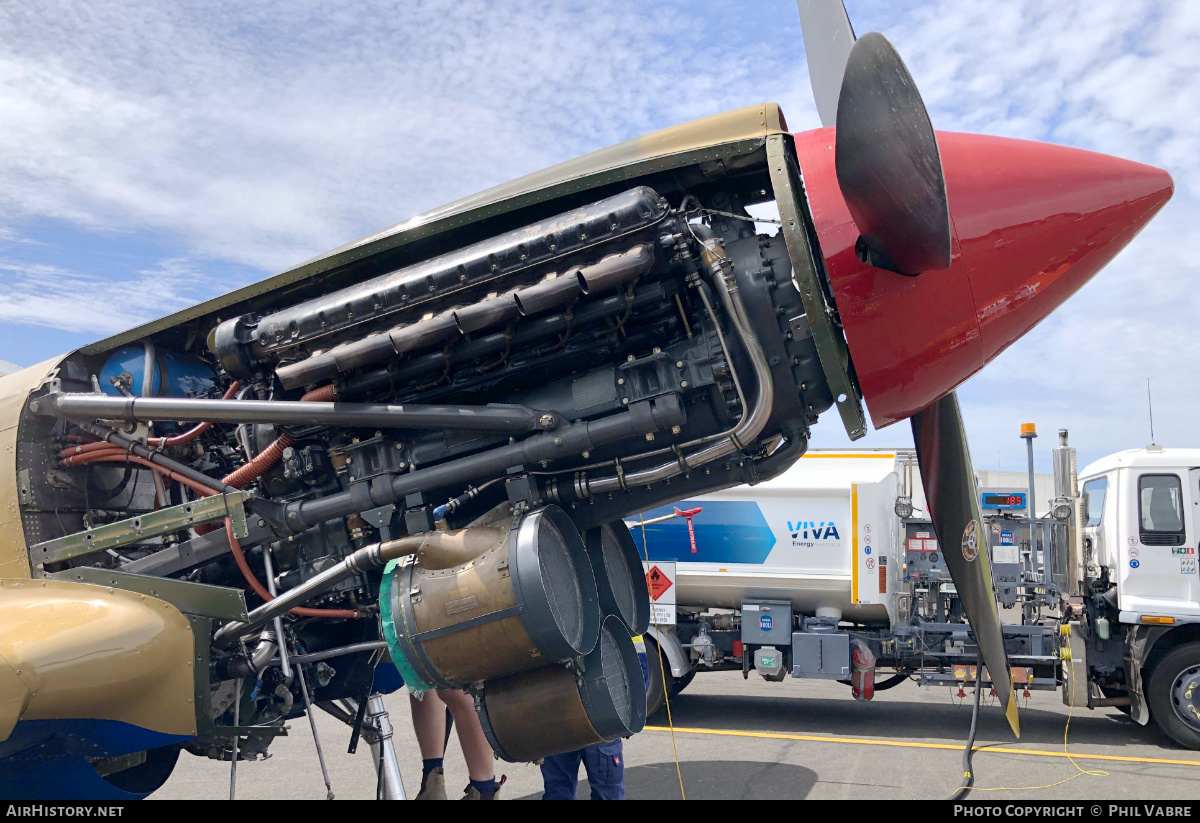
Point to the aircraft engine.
(445, 447)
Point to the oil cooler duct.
(620, 579)
(513, 596)
(561, 708)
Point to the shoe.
(433, 785)
(472, 793)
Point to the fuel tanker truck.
(833, 571)
(424, 443)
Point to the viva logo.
(813, 531)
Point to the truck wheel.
(682, 683)
(1174, 695)
(662, 682)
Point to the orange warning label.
(658, 582)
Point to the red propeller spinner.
(1030, 224)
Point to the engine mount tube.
(368, 557)
(642, 418)
(500, 419)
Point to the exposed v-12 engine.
(421, 445)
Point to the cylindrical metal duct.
(521, 596)
(620, 580)
(559, 709)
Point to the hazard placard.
(660, 580)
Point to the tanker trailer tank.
(821, 536)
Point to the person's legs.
(560, 775)
(429, 723)
(476, 749)
(605, 770)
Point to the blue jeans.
(605, 772)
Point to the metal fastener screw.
(628, 359)
(558, 441)
(625, 401)
(620, 381)
(546, 421)
(650, 436)
(679, 364)
(683, 384)
(674, 430)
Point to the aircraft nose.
(1030, 224)
(1036, 221)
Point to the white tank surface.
(824, 535)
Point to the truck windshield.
(1093, 500)
(1160, 502)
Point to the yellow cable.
(1066, 729)
(661, 670)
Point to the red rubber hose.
(239, 557)
(194, 432)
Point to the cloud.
(266, 133)
(51, 297)
(1107, 76)
(261, 134)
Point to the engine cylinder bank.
(241, 343)
(562, 708)
(525, 597)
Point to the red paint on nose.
(1032, 222)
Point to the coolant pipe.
(255, 662)
(642, 418)
(748, 428)
(500, 419)
(368, 557)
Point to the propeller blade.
(888, 165)
(828, 37)
(953, 504)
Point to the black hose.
(104, 494)
(968, 775)
(892, 682)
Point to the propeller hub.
(1032, 223)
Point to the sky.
(156, 155)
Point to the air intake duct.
(562, 708)
(515, 596)
(620, 578)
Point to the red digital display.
(998, 500)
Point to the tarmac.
(798, 739)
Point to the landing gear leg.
(384, 750)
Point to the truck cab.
(1140, 519)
